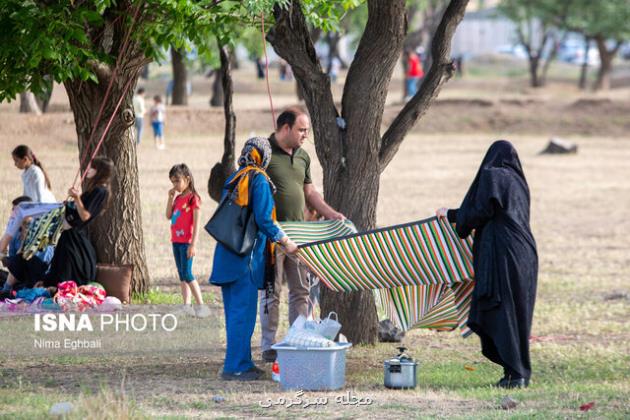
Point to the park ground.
(580, 206)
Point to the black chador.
(496, 209)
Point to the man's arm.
(315, 200)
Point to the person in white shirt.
(140, 109)
(158, 116)
(34, 178)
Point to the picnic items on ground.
(400, 371)
(308, 359)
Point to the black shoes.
(509, 382)
(252, 374)
(269, 356)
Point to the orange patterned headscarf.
(255, 158)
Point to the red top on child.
(182, 218)
(414, 66)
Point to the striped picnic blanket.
(421, 272)
(42, 232)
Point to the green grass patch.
(155, 296)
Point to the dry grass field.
(580, 209)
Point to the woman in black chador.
(496, 210)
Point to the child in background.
(140, 109)
(182, 209)
(158, 116)
(25, 273)
(34, 178)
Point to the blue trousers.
(240, 300)
(183, 263)
(412, 85)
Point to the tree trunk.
(606, 57)
(353, 153)
(217, 98)
(584, 69)
(180, 78)
(117, 233)
(43, 99)
(349, 157)
(28, 104)
(534, 81)
(221, 170)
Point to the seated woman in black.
(75, 257)
(496, 208)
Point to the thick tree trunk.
(28, 104)
(180, 78)
(117, 233)
(221, 170)
(351, 149)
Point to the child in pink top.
(182, 209)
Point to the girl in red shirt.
(182, 209)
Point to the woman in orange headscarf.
(240, 276)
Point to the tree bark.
(28, 104)
(606, 57)
(221, 170)
(180, 78)
(117, 233)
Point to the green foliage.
(326, 15)
(67, 39)
(610, 18)
(38, 40)
(523, 12)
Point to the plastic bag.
(328, 327)
(305, 333)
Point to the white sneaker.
(202, 311)
(185, 310)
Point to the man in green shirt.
(290, 171)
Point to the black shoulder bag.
(232, 225)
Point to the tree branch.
(441, 70)
(291, 40)
(370, 73)
(291, 30)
